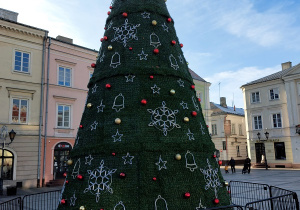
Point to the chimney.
(223, 102)
(8, 15)
(286, 65)
(64, 39)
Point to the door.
(61, 156)
(259, 150)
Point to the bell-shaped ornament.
(115, 60)
(154, 40)
(120, 206)
(190, 161)
(161, 203)
(173, 61)
(118, 103)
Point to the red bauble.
(110, 7)
(228, 191)
(216, 201)
(130, 48)
(65, 174)
(199, 99)
(193, 87)
(108, 86)
(93, 65)
(169, 20)
(151, 77)
(108, 13)
(101, 40)
(79, 177)
(154, 178)
(156, 51)
(220, 162)
(105, 38)
(181, 45)
(67, 182)
(80, 126)
(194, 114)
(105, 28)
(173, 42)
(187, 195)
(214, 156)
(125, 15)
(207, 126)
(113, 154)
(144, 101)
(63, 202)
(122, 175)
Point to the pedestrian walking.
(247, 165)
(232, 164)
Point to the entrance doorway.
(61, 156)
(259, 150)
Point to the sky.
(227, 42)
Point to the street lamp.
(3, 136)
(264, 140)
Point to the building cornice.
(18, 90)
(18, 30)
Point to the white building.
(228, 131)
(272, 107)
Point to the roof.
(228, 110)
(275, 76)
(21, 24)
(73, 44)
(196, 76)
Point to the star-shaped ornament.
(146, 15)
(117, 136)
(161, 164)
(166, 28)
(155, 89)
(129, 78)
(181, 59)
(94, 126)
(200, 206)
(143, 56)
(100, 107)
(128, 159)
(73, 200)
(101, 58)
(94, 89)
(190, 135)
(88, 160)
(184, 105)
(180, 82)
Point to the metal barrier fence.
(44, 201)
(14, 204)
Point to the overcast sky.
(230, 42)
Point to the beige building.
(272, 112)
(21, 58)
(228, 131)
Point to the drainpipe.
(41, 110)
(46, 113)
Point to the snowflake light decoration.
(125, 33)
(211, 178)
(164, 118)
(100, 181)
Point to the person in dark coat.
(247, 165)
(232, 164)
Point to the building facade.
(272, 113)
(67, 73)
(228, 131)
(21, 58)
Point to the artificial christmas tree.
(143, 143)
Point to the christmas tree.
(143, 143)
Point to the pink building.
(66, 77)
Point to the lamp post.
(264, 140)
(3, 136)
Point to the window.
(240, 129)
(277, 121)
(22, 61)
(255, 97)
(8, 161)
(238, 151)
(64, 76)
(224, 145)
(19, 112)
(214, 129)
(279, 151)
(63, 116)
(233, 129)
(274, 94)
(257, 122)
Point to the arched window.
(8, 164)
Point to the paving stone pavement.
(288, 179)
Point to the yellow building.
(21, 58)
